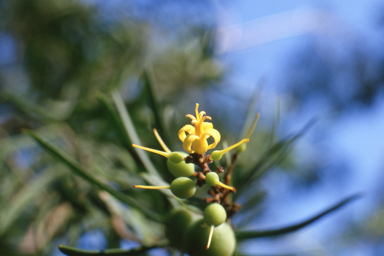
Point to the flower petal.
(186, 129)
(207, 126)
(215, 135)
(187, 143)
(191, 116)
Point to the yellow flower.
(197, 139)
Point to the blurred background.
(292, 61)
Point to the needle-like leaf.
(70, 251)
(79, 170)
(242, 235)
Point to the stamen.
(210, 236)
(162, 153)
(151, 187)
(162, 144)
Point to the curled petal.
(201, 114)
(191, 116)
(186, 129)
(215, 135)
(187, 143)
(205, 117)
(207, 126)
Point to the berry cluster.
(212, 229)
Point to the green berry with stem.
(179, 168)
(214, 215)
(212, 179)
(223, 241)
(175, 160)
(218, 154)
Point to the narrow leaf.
(110, 109)
(251, 110)
(79, 170)
(131, 131)
(70, 251)
(270, 158)
(33, 189)
(241, 235)
(149, 82)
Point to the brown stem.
(227, 176)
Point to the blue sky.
(351, 144)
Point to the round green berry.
(216, 155)
(179, 168)
(223, 240)
(183, 187)
(211, 178)
(214, 214)
(176, 157)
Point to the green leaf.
(108, 107)
(27, 194)
(242, 235)
(38, 111)
(251, 112)
(70, 251)
(270, 158)
(276, 121)
(131, 131)
(156, 107)
(79, 170)
(251, 207)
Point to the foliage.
(79, 94)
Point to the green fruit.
(179, 169)
(223, 240)
(183, 187)
(214, 214)
(211, 178)
(177, 225)
(176, 157)
(216, 155)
